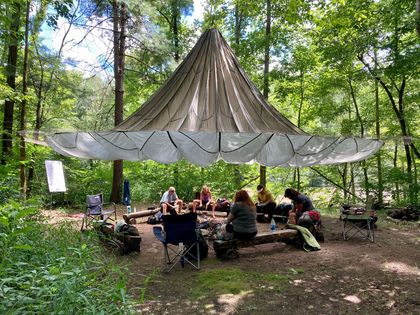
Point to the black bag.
(222, 205)
(153, 220)
(130, 238)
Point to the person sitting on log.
(170, 201)
(301, 204)
(242, 219)
(205, 199)
(265, 203)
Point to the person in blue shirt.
(170, 202)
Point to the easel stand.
(60, 200)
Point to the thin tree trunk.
(9, 103)
(119, 22)
(334, 183)
(352, 183)
(266, 90)
(296, 175)
(399, 112)
(378, 135)
(362, 133)
(415, 179)
(345, 183)
(38, 116)
(396, 196)
(22, 148)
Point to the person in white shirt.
(170, 202)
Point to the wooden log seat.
(229, 248)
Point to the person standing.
(170, 201)
(265, 203)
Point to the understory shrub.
(47, 269)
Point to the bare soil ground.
(344, 277)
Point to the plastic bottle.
(273, 225)
(128, 209)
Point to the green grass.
(234, 281)
(146, 282)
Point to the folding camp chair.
(180, 240)
(358, 221)
(96, 210)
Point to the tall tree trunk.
(119, 12)
(174, 26)
(396, 196)
(418, 17)
(296, 174)
(9, 103)
(352, 184)
(22, 148)
(398, 109)
(238, 23)
(237, 31)
(378, 135)
(344, 181)
(362, 133)
(266, 90)
(415, 179)
(38, 115)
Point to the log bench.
(229, 248)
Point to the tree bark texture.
(22, 147)
(9, 103)
(266, 88)
(119, 14)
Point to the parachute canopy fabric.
(209, 110)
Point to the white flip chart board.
(55, 176)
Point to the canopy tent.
(210, 110)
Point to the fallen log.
(142, 213)
(222, 247)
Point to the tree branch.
(335, 184)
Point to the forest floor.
(344, 277)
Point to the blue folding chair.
(180, 240)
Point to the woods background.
(332, 67)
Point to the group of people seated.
(242, 218)
(266, 204)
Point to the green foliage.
(9, 182)
(55, 269)
(148, 180)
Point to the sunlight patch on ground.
(401, 268)
(229, 303)
(56, 217)
(352, 298)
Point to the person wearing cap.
(170, 201)
(301, 204)
(265, 202)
